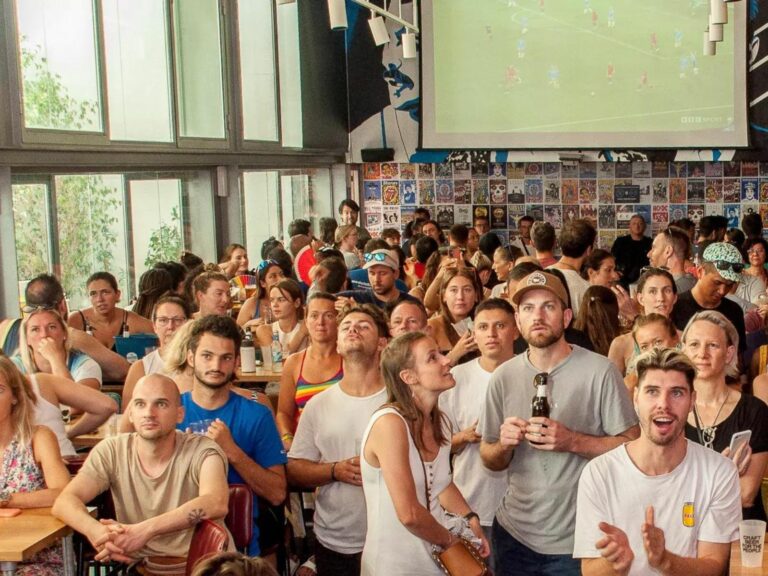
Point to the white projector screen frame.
(453, 121)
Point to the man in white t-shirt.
(495, 333)
(325, 453)
(658, 504)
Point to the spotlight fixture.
(709, 46)
(718, 12)
(378, 30)
(715, 32)
(337, 10)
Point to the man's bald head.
(157, 386)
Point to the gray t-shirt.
(586, 395)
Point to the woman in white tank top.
(287, 303)
(405, 465)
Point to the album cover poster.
(551, 191)
(462, 214)
(498, 217)
(407, 171)
(462, 191)
(444, 191)
(444, 216)
(534, 194)
(371, 191)
(570, 191)
(371, 171)
(731, 190)
(389, 171)
(408, 191)
(426, 192)
(390, 192)
(713, 190)
(498, 191)
(606, 216)
(660, 191)
(480, 191)
(515, 192)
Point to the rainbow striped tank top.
(305, 389)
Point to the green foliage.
(87, 211)
(166, 242)
(47, 103)
(31, 230)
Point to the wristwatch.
(5, 497)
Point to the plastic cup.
(751, 541)
(112, 425)
(201, 426)
(266, 356)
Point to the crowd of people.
(404, 414)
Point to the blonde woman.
(712, 342)
(33, 473)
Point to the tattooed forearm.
(196, 516)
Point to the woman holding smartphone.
(711, 342)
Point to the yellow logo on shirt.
(689, 516)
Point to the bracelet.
(333, 472)
(469, 515)
(287, 437)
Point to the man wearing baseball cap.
(383, 269)
(591, 413)
(719, 271)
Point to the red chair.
(208, 539)
(239, 518)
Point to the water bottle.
(126, 330)
(277, 352)
(248, 354)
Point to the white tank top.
(48, 415)
(283, 337)
(153, 363)
(389, 547)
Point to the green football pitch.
(579, 66)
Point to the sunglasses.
(376, 257)
(725, 265)
(645, 269)
(264, 264)
(35, 309)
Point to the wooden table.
(23, 536)
(260, 375)
(738, 570)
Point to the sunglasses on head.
(375, 256)
(264, 264)
(34, 309)
(645, 269)
(725, 265)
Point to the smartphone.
(739, 439)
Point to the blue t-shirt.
(253, 430)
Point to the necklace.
(707, 433)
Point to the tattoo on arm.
(196, 516)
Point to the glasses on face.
(375, 257)
(756, 252)
(724, 265)
(264, 264)
(165, 321)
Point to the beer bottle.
(540, 402)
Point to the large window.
(258, 77)
(179, 73)
(59, 63)
(273, 198)
(138, 79)
(78, 224)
